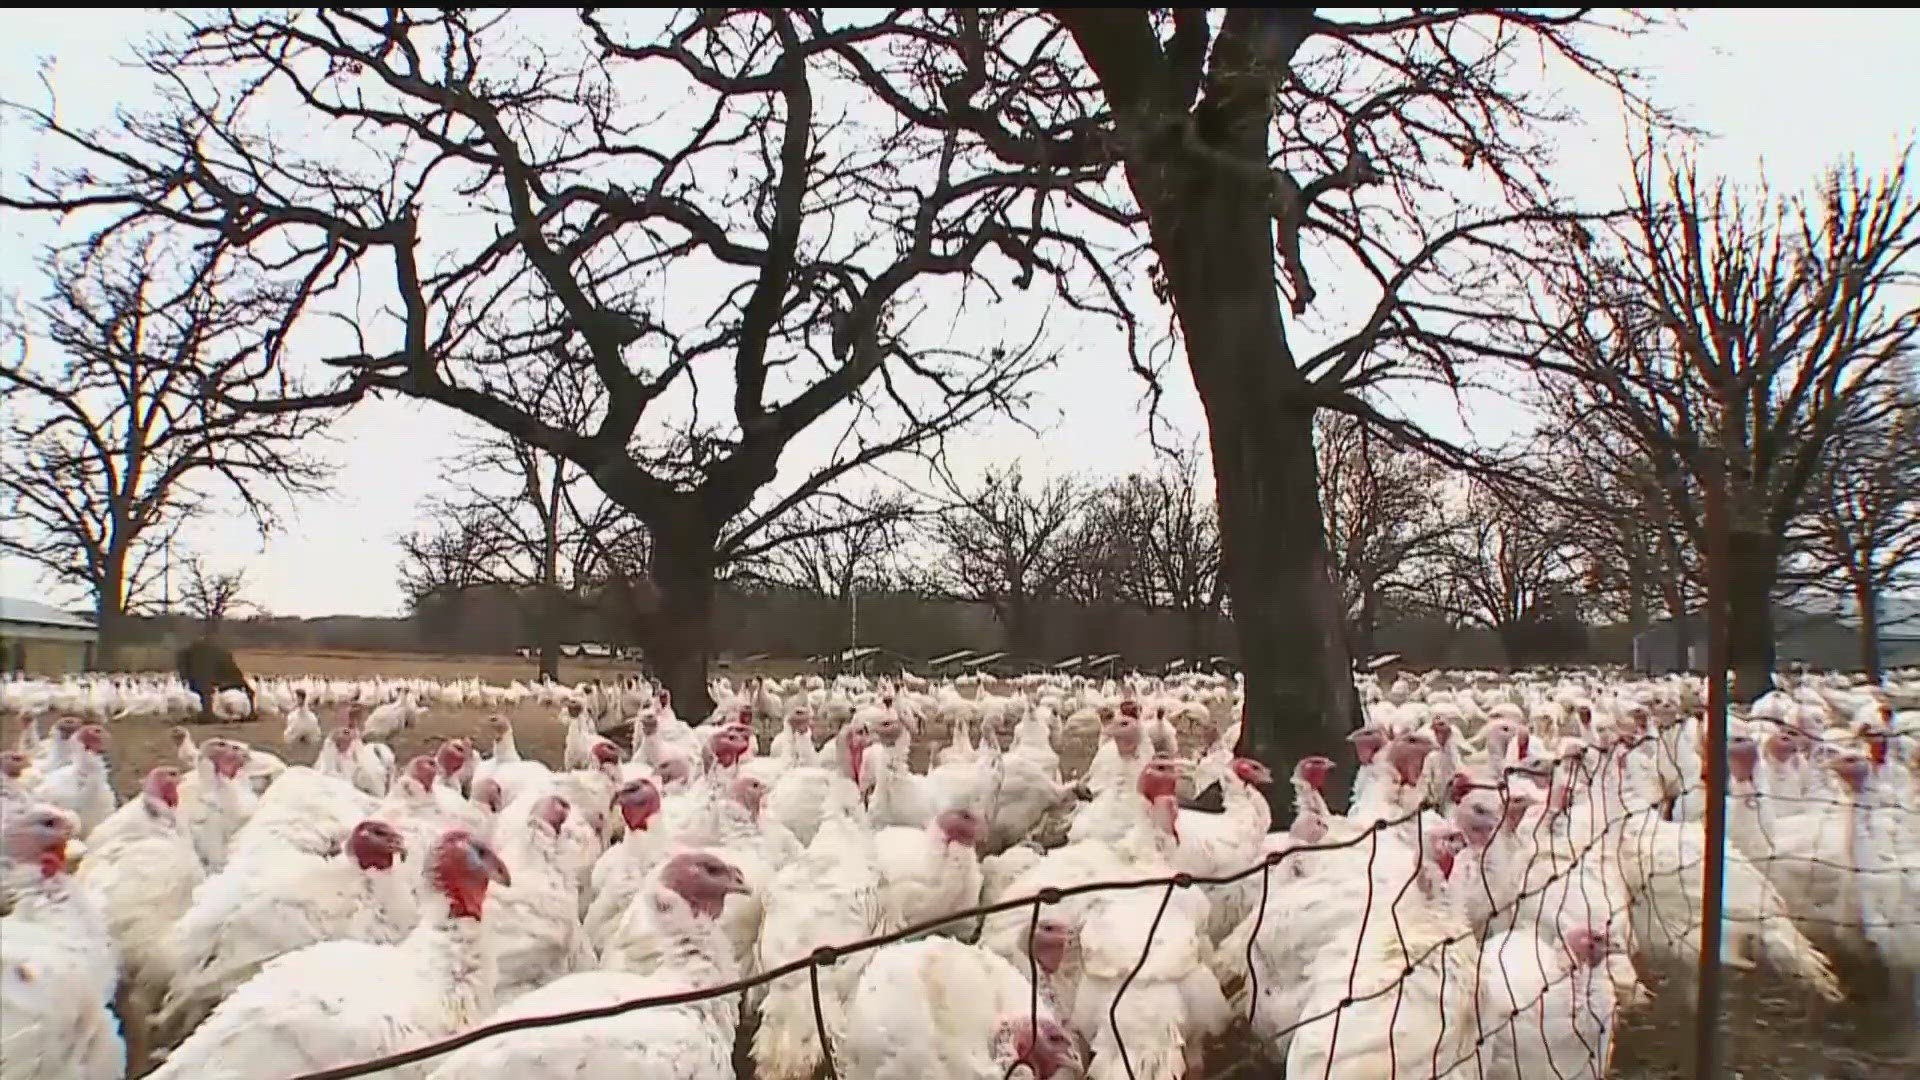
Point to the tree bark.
(1286, 604)
(1752, 564)
(109, 612)
(1217, 253)
(1868, 602)
(676, 633)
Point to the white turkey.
(343, 1002)
(59, 969)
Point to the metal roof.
(33, 612)
(951, 657)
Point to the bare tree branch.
(117, 431)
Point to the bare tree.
(1155, 539)
(1635, 557)
(1732, 335)
(816, 238)
(1385, 511)
(1254, 142)
(835, 549)
(443, 558)
(1505, 568)
(211, 596)
(115, 430)
(1863, 529)
(1010, 546)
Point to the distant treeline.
(491, 620)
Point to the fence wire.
(1412, 977)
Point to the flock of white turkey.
(1519, 859)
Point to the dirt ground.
(1770, 1031)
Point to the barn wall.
(36, 656)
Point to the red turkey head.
(1588, 947)
(1743, 757)
(1314, 771)
(1125, 732)
(451, 757)
(163, 785)
(460, 867)
(38, 836)
(1050, 942)
(856, 738)
(749, 791)
(356, 716)
(1442, 730)
(13, 764)
(1130, 708)
(177, 735)
(961, 826)
(1159, 779)
(890, 730)
(1460, 787)
(374, 845)
(500, 726)
(551, 811)
(800, 720)
(1367, 742)
(1446, 841)
(94, 738)
(1478, 819)
(744, 716)
(422, 770)
(1045, 1047)
(1408, 756)
(488, 793)
(662, 698)
(729, 745)
(228, 758)
(69, 726)
(703, 879)
(342, 738)
(1252, 773)
(672, 770)
(637, 801)
(605, 753)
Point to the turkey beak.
(736, 881)
(495, 868)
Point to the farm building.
(44, 640)
(1820, 639)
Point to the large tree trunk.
(1869, 604)
(677, 631)
(1215, 239)
(1752, 563)
(109, 613)
(1286, 604)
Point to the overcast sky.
(1792, 91)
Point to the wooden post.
(1706, 1030)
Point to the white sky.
(1792, 90)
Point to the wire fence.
(1483, 927)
